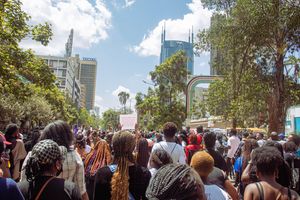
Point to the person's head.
(267, 160)
(95, 137)
(295, 138)
(35, 136)
(281, 136)
(80, 141)
(109, 137)
(203, 163)
(142, 157)
(233, 132)
(123, 145)
(175, 181)
(245, 134)
(200, 129)
(169, 129)
(11, 131)
(209, 140)
(248, 146)
(274, 136)
(159, 158)
(193, 139)
(290, 147)
(277, 145)
(259, 136)
(46, 157)
(60, 132)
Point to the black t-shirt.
(218, 159)
(56, 189)
(217, 177)
(139, 178)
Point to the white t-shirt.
(174, 150)
(234, 143)
(213, 192)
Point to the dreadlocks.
(123, 145)
(174, 181)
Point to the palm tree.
(123, 97)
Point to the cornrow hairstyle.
(123, 145)
(160, 158)
(143, 154)
(174, 181)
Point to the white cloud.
(89, 21)
(178, 29)
(129, 3)
(98, 100)
(122, 89)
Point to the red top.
(192, 147)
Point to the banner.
(128, 122)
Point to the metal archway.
(192, 83)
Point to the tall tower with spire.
(69, 44)
(170, 47)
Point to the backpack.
(190, 154)
(113, 168)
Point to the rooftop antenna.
(164, 30)
(189, 35)
(192, 34)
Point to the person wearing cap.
(17, 151)
(8, 187)
(43, 167)
(203, 163)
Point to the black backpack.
(190, 154)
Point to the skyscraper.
(87, 76)
(170, 47)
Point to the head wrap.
(203, 163)
(174, 181)
(46, 152)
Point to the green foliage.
(110, 120)
(123, 97)
(250, 43)
(165, 102)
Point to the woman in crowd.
(176, 181)
(73, 169)
(17, 150)
(158, 159)
(242, 161)
(267, 161)
(33, 139)
(203, 163)
(142, 154)
(43, 166)
(81, 147)
(99, 157)
(8, 187)
(124, 179)
(192, 147)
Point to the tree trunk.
(276, 104)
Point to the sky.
(123, 35)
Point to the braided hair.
(159, 158)
(123, 145)
(174, 181)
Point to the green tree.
(256, 38)
(123, 97)
(110, 120)
(165, 102)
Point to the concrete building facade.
(87, 77)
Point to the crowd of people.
(57, 162)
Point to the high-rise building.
(170, 47)
(87, 76)
(66, 71)
(82, 96)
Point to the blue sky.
(123, 35)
